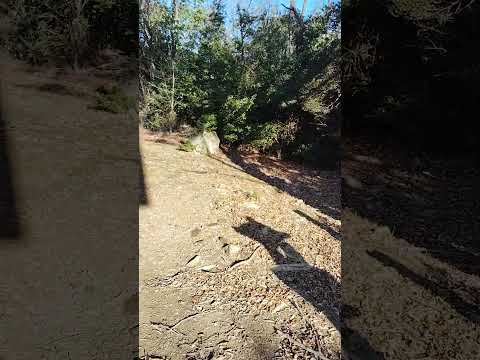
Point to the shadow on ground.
(143, 190)
(466, 309)
(314, 285)
(10, 227)
(437, 210)
(302, 187)
(324, 226)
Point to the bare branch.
(304, 6)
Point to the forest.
(410, 74)
(260, 75)
(270, 76)
(264, 77)
(394, 82)
(71, 32)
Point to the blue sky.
(311, 4)
(231, 5)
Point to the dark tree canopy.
(410, 68)
(71, 31)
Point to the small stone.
(209, 268)
(352, 182)
(195, 232)
(280, 307)
(367, 159)
(281, 252)
(194, 261)
(251, 205)
(232, 249)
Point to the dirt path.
(216, 252)
(408, 304)
(434, 205)
(62, 254)
(411, 286)
(234, 263)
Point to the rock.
(352, 182)
(195, 232)
(251, 205)
(367, 159)
(280, 307)
(231, 249)
(194, 261)
(212, 141)
(206, 143)
(209, 268)
(281, 252)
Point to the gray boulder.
(352, 182)
(207, 142)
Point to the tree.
(173, 52)
(72, 31)
(270, 83)
(78, 30)
(400, 64)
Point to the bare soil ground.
(431, 202)
(410, 284)
(65, 248)
(406, 303)
(239, 254)
(237, 263)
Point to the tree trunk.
(77, 34)
(173, 58)
(76, 66)
(292, 30)
(304, 7)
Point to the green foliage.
(324, 151)
(114, 101)
(161, 122)
(208, 122)
(187, 146)
(38, 33)
(266, 135)
(269, 135)
(320, 97)
(155, 108)
(304, 151)
(234, 126)
(273, 66)
(71, 31)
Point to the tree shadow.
(325, 227)
(143, 198)
(10, 225)
(314, 285)
(302, 188)
(445, 208)
(468, 310)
